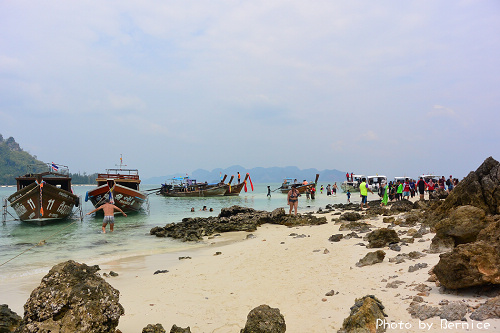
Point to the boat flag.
(54, 167)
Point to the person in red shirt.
(406, 189)
(430, 187)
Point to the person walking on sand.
(293, 199)
(363, 189)
(109, 215)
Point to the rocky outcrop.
(264, 319)
(462, 226)
(364, 315)
(72, 298)
(382, 237)
(481, 189)
(235, 218)
(468, 265)
(9, 320)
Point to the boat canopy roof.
(122, 171)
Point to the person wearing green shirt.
(399, 193)
(363, 189)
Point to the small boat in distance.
(187, 187)
(302, 187)
(43, 196)
(120, 187)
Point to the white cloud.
(439, 111)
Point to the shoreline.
(215, 293)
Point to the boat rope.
(40, 243)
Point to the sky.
(399, 88)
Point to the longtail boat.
(121, 187)
(44, 196)
(288, 182)
(235, 189)
(186, 187)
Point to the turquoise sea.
(83, 240)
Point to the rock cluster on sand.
(468, 224)
(72, 298)
(487, 310)
(235, 218)
(158, 328)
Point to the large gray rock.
(264, 319)
(72, 298)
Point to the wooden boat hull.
(208, 192)
(42, 204)
(300, 188)
(127, 199)
(234, 190)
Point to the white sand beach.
(286, 268)
(214, 293)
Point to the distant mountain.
(14, 162)
(258, 175)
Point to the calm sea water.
(83, 241)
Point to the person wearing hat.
(293, 199)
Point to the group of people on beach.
(399, 190)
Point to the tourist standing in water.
(293, 199)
